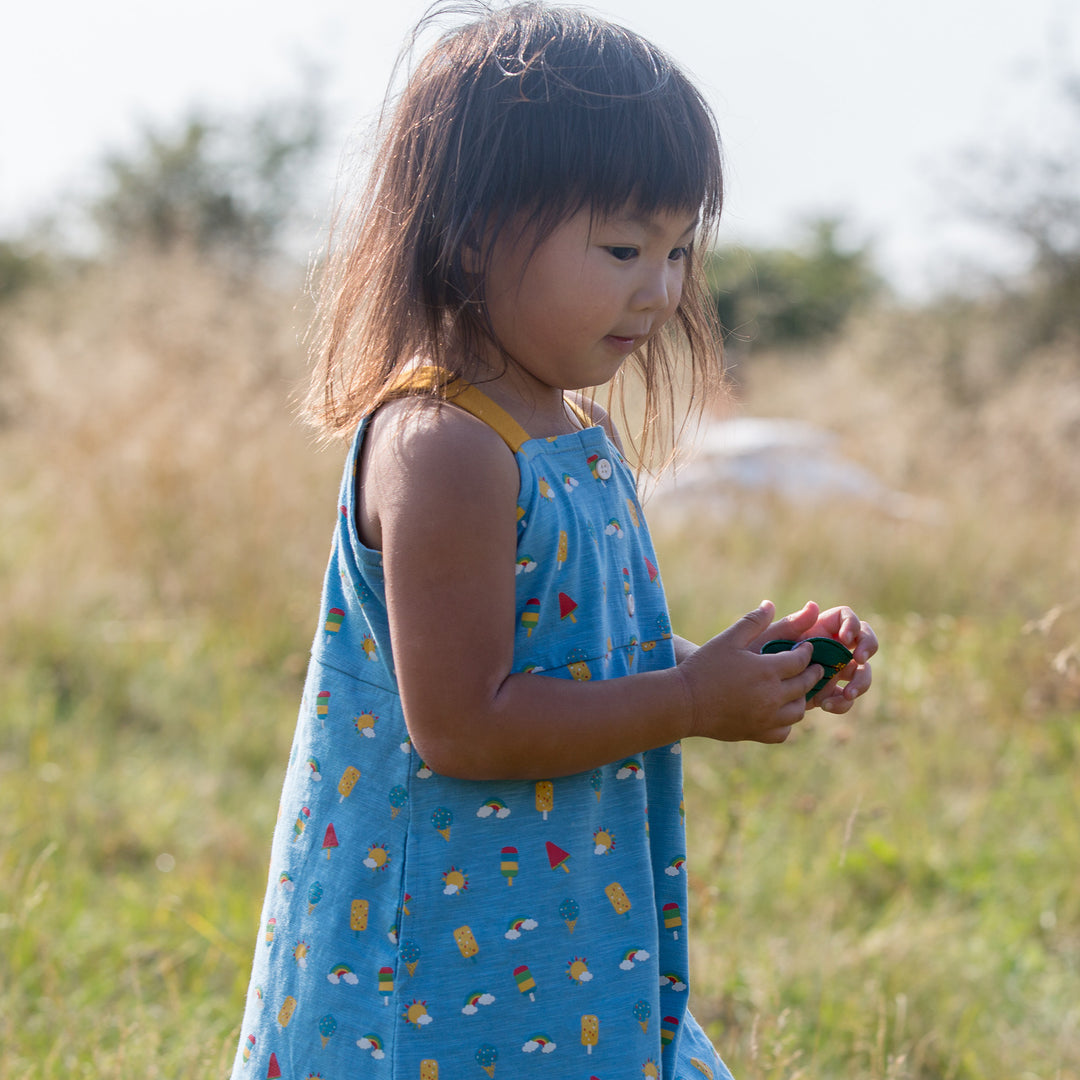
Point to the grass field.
(892, 894)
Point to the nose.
(660, 287)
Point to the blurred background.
(892, 894)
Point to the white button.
(603, 469)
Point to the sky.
(854, 108)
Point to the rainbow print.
(493, 807)
(543, 1043)
(342, 973)
(373, 1043)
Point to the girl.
(479, 860)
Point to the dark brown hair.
(528, 113)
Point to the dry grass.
(891, 895)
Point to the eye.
(623, 254)
(679, 253)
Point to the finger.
(750, 627)
(809, 679)
(859, 682)
(867, 644)
(794, 626)
(793, 662)
(775, 735)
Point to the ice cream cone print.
(596, 778)
(525, 982)
(557, 857)
(442, 818)
(273, 1069)
(545, 797)
(567, 607)
(486, 1056)
(568, 912)
(508, 866)
(410, 953)
(327, 1027)
(348, 782)
(530, 616)
(642, 1012)
(654, 574)
(560, 555)
(590, 1032)
(399, 797)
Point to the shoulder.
(421, 454)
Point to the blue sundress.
(420, 927)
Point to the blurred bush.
(791, 296)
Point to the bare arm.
(439, 493)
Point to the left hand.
(843, 625)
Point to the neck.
(539, 408)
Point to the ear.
(471, 258)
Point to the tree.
(227, 188)
(1028, 191)
(791, 296)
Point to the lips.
(627, 341)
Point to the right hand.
(738, 693)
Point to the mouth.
(627, 343)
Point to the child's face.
(591, 293)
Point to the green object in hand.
(830, 654)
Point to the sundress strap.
(475, 402)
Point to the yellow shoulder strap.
(477, 403)
(473, 401)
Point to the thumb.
(750, 627)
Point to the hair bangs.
(580, 113)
